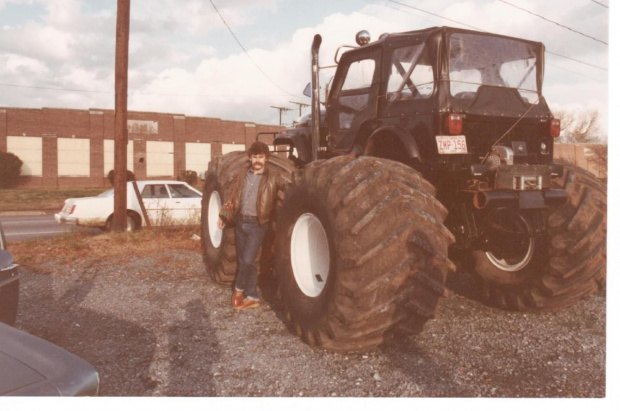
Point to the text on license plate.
(451, 144)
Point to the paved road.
(25, 227)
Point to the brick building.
(591, 157)
(75, 148)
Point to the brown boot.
(237, 299)
(247, 303)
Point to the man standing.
(254, 203)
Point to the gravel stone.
(158, 326)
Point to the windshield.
(477, 60)
(108, 193)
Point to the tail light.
(454, 123)
(555, 128)
(72, 209)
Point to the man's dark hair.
(258, 147)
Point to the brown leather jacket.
(267, 193)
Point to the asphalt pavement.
(25, 225)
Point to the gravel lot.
(158, 326)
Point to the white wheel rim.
(504, 265)
(310, 255)
(215, 205)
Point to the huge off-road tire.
(361, 252)
(218, 246)
(564, 265)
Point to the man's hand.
(221, 224)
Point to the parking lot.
(154, 324)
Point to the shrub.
(189, 176)
(10, 168)
(130, 176)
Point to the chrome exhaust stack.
(316, 99)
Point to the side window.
(411, 74)
(356, 86)
(359, 75)
(154, 191)
(182, 191)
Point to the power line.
(56, 88)
(136, 93)
(600, 4)
(436, 15)
(395, 8)
(554, 22)
(485, 31)
(572, 71)
(578, 61)
(245, 51)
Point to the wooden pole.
(120, 115)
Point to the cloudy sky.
(183, 59)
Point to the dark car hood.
(30, 366)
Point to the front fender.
(299, 141)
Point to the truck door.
(353, 99)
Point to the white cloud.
(184, 60)
(12, 64)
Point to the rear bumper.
(63, 219)
(523, 199)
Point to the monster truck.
(437, 140)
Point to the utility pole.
(300, 106)
(281, 109)
(120, 115)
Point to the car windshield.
(182, 191)
(477, 60)
(108, 193)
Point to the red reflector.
(455, 123)
(555, 128)
(72, 209)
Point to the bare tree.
(579, 127)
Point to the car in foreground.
(30, 366)
(166, 203)
(9, 283)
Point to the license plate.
(451, 144)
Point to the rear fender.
(382, 136)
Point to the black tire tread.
(393, 247)
(226, 168)
(576, 250)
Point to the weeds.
(85, 248)
(41, 198)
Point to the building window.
(197, 157)
(73, 157)
(108, 156)
(229, 148)
(159, 158)
(30, 151)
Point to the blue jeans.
(249, 236)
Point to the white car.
(166, 203)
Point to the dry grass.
(83, 247)
(41, 198)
